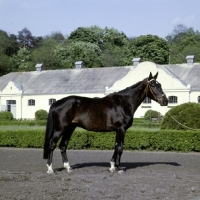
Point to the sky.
(132, 17)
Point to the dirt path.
(148, 175)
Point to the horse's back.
(94, 114)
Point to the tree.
(112, 43)
(85, 51)
(177, 35)
(4, 64)
(93, 34)
(115, 46)
(183, 41)
(150, 48)
(45, 54)
(26, 39)
(4, 41)
(113, 37)
(57, 36)
(5, 52)
(13, 45)
(22, 61)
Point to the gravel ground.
(148, 175)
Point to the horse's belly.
(93, 123)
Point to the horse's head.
(154, 90)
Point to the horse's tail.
(48, 135)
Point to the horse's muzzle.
(163, 100)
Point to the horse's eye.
(152, 85)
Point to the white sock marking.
(67, 166)
(50, 170)
(112, 167)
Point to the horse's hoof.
(67, 166)
(69, 170)
(112, 169)
(112, 166)
(120, 171)
(50, 172)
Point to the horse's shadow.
(125, 166)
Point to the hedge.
(182, 117)
(41, 114)
(152, 113)
(4, 115)
(167, 140)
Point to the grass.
(22, 127)
(26, 127)
(135, 128)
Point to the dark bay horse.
(113, 112)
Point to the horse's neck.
(138, 95)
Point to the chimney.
(136, 61)
(39, 67)
(79, 64)
(190, 59)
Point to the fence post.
(150, 116)
(159, 117)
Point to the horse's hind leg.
(52, 146)
(63, 146)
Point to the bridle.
(148, 86)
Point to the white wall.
(41, 102)
(194, 95)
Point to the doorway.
(11, 107)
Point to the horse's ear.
(155, 77)
(150, 76)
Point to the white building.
(23, 93)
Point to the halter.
(148, 86)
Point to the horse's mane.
(130, 88)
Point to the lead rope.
(166, 109)
(180, 123)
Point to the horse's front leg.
(115, 161)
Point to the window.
(10, 102)
(147, 100)
(173, 99)
(198, 99)
(51, 101)
(31, 102)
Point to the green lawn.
(22, 127)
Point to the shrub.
(153, 113)
(187, 114)
(41, 115)
(6, 116)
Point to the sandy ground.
(148, 175)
